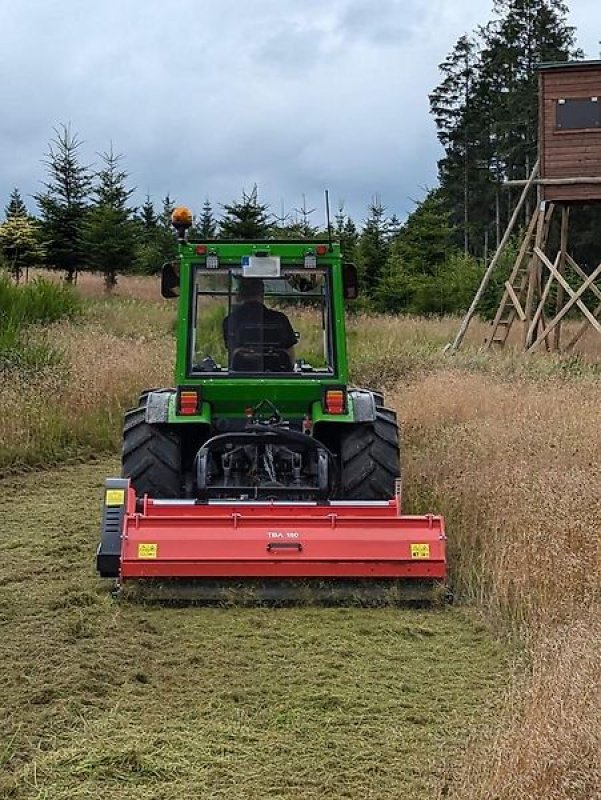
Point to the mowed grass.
(104, 698)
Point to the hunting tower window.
(578, 114)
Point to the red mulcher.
(341, 542)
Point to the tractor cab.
(274, 325)
(270, 309)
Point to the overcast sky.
(204, 98)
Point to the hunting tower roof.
(560, 65)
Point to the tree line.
(86, 223)
(484, 109)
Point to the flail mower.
(262, 468)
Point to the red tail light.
(334, 401)
(321, 249)
(200, 249)
(188, 402)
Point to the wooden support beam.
(574, 296)
(584, 275)
(561, 265)
(539, 273)
(584, 326)
(534, 269)
(574, 299)
(541, 306)
(554, 181)
(495, 260)
(582, 330)
(514, 299)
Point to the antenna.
(328, 220)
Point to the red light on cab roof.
(321, 249)
(201, 249)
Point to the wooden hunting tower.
(570, 131)
(543, 288)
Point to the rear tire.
(370, 458)
(151, 458)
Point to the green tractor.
(261, 363)
(261, 418)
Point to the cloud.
(390, 22)
(205, 98)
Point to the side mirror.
(170, 279)
(350, 281)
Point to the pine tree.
(147, 217)
(148, 258)
(109, 234)
(394, 227)
(246, 219)
(526, 33)
(282, 224)
(156, 241)
(349, 240)
(166, 241)
(15, 206)
(424, 242)
(166, 211)
(63, 206)
(345, 231)
(451, 99)
(423, 273)
(457, 115)
(302, 225)
(207, 225)
(290, 229)
(373, 246)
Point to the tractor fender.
(364, 405)
(157, 406)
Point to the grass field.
(147, 702)
(506, 446)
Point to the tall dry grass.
(74, 409)
(71, 405)
(386, 351)
(514, 466)
(91, 285)
(424, 334)
(547, 745)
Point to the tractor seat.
(260, 359)
(256, 348)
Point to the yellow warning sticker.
(420, 551)
(114, 497)
(147, 550)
